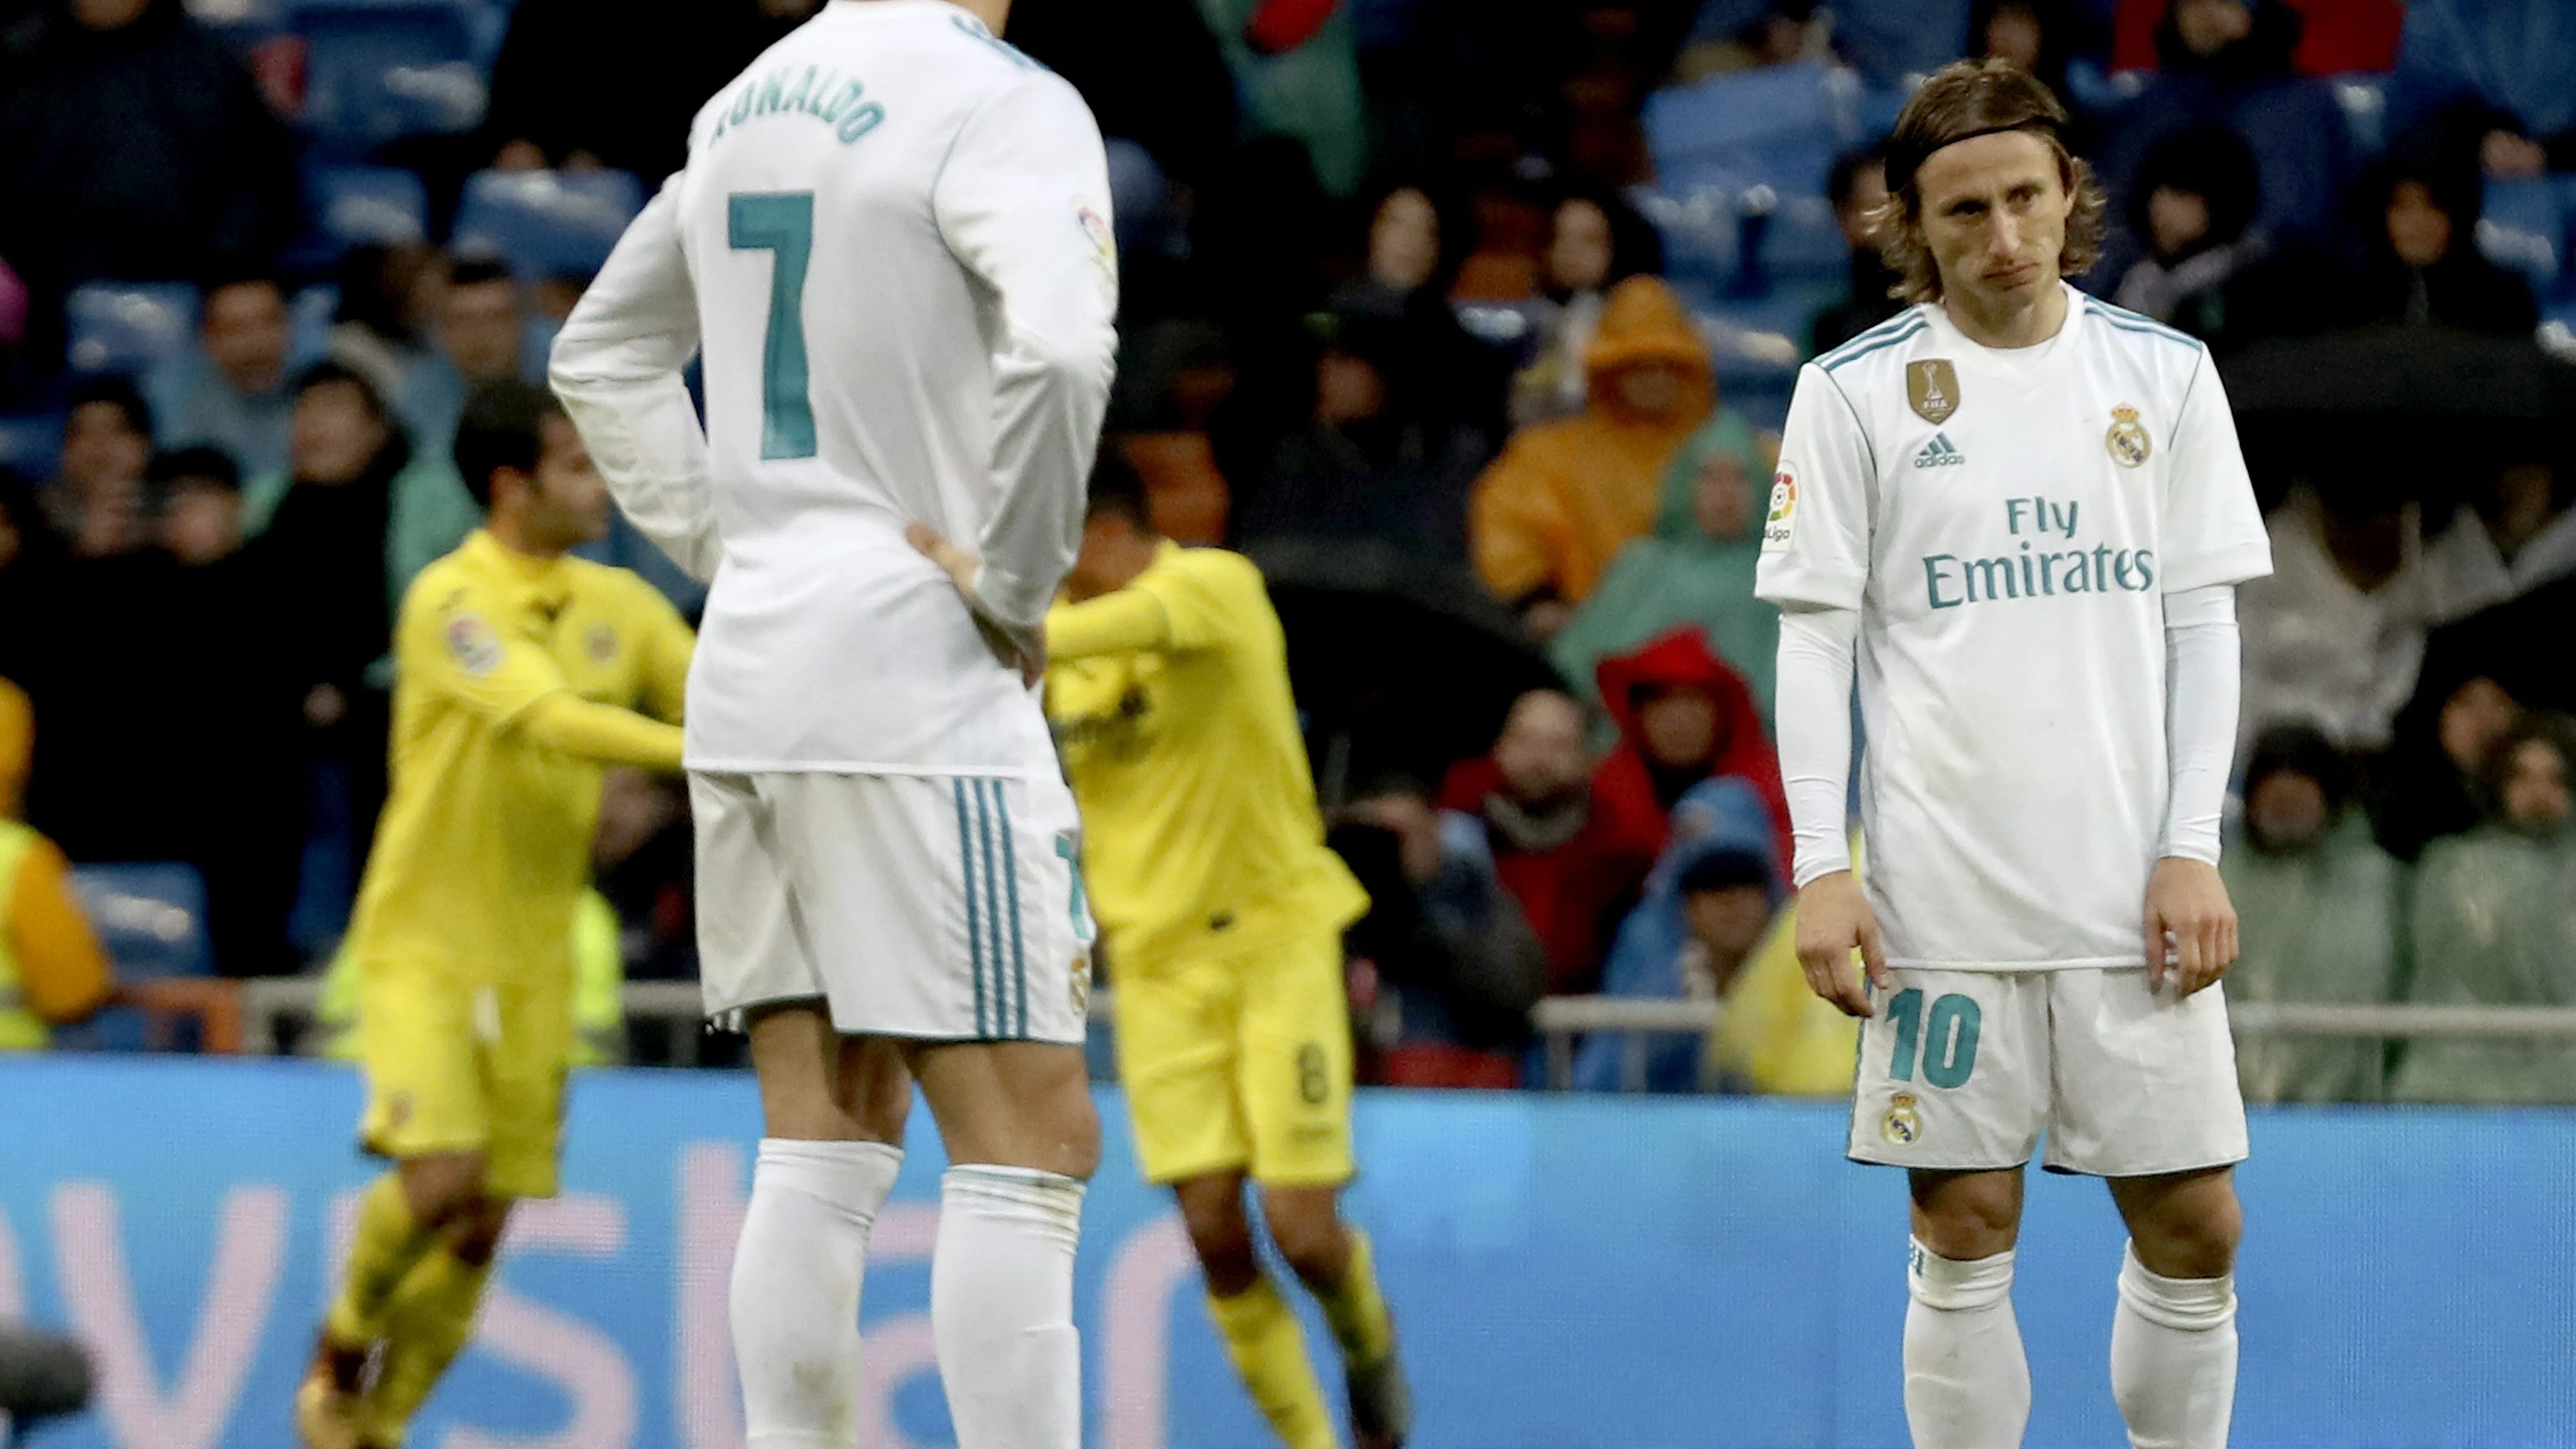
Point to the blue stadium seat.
(1700, 229)
(30, 444)
(380, 70)
(2523, 230)
(1757, 345)
(2364, 99)
(1886, 40)
(2518, 54)
(313, 309)
(1889, 40)
(354, 204)
(1778, 127)
(1802, 242)
(152, 920)
(239, 20)
(130, 327)
(546, 223)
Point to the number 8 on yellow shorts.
(1239, 1060)
(455, 1064)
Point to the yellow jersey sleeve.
(458, 644)
(1211, 598)
(61, 966)
(669, 643)
(1123, 621)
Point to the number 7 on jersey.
(781, 223)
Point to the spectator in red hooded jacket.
(1683, 717)
(1574, 866)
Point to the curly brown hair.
(1963, 99)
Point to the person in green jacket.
(1296, 65)
(1695, 568)
(2316, 908)
(2495, 925)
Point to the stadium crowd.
(1472, 321)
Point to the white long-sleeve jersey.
(892, 241)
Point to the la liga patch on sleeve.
(476, 647)
(1780, 524)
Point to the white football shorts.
(943, 908)
(1964, 1070)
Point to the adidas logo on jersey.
(1938, 453)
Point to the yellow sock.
(1269, 1352)
(389, 1242)
(428, 1324)
(1356, 1310)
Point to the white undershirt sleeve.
(2201, 684)
(616, 366)
(1813, 713)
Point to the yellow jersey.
(1171, 706)
(483, 854)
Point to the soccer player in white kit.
(2021, 515)
(892, 242)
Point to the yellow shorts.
(1239, 1061)
(458, 1065)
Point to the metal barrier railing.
(1561, 1019)
(677, 1010)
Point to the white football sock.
(2173, 1357)
(1967, 1385)
(795, 1294)
(1001, 1307)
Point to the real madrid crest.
(1901, 1123)
(1932, 386)
(2127, 439)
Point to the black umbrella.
(2403, 411)
(1399, 663)
(2425, 374)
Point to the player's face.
(570, 500)
(1994, 218)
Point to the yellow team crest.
(2127, 439)
(1902, 1122)
(1932, 386)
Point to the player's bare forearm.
(1834, 920)
(1025, 650)
(2190, 926)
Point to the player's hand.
(2190, 926)
(1022, 649)
(1834, 920)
